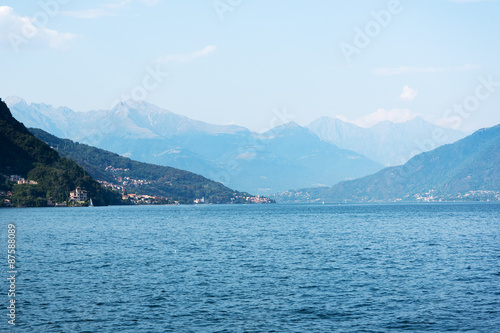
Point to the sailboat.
(91, 203)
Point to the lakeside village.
(122, 182)
(141, 199)
(79, 197)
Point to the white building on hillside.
(78, 195)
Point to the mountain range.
(142, 178)
(468, 169)
(49, 168)
(386, 142)
(288, 156)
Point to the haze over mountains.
(288, 156)
(466, 170)
(387, 143)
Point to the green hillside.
(143, 178)
(22, 154)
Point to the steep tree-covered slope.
(24, 155)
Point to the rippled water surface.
(275, 268)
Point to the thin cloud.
(150, 2)
(117, 4)
(184, 58)
(20, 30)
(89, 13)
(393, 115)
(408, 94)
(413, 70)
(107, 9)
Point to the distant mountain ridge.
(387, 143)
(136, 119)
(468, 169)
(57, 166)
(143, 178)
(241, 159)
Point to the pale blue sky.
(262, 55)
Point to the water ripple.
(304, 268)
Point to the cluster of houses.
(111, 185)
(143, 199)
(483, 195)
(479, 195)
(14, 179)
(113, 169)
(7, 201)
(124, 181)
(131, 181)
(257, 199)
(20, 180)
(78, 195)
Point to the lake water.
(272, 268)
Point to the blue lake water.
(272, 268)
